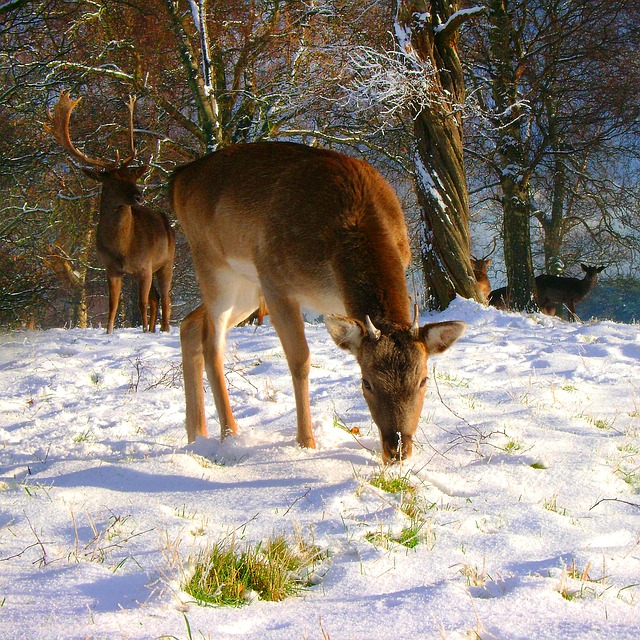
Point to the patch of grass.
(419, 530)
(108, 538)
(452, 380)
(475, 576)
(630, 476)
(552, 505)
(538, 464)
(410, 536)
(577, 583)
(272, 570)
(471, 401)
(206, 463)
(182, 512)
(629, 447)
(415, 507)
(512, 446)
(601, 423)
(85, 436)
(391, 483)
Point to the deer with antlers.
(480, 266)
(131, 239)
(290, 226)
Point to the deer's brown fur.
(292, 226)
(131, 239)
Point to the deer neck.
(115, 226)
(383, 297)
(587, 283)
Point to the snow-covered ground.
(527, 462)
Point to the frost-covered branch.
(108, 70)
(455, 21)
(392, 80)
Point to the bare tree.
(427, 34)
(555, 83)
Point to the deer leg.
(115, 285)
(154, 298)
(192, 341)
(287, 321)
(144, 287)
(164, 276)
(203, 346)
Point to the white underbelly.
(322, 302)
(246, 269)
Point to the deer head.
(394, 372)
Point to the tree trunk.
(427, 32)
(552, 224)
(506, 51)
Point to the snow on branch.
(455, 21)
(195, 8)
(391, 79)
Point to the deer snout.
(396, 447)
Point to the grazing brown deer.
(554, 290)
(297, 226)
(132, 239)
(480, 266)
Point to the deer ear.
(584, 267)
(488, 262)
(439, 336)
(346, 332)
(138, 172)
(601, 269)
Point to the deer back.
(314, 224)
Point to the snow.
(458, 16)
(528, 457)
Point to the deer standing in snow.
(290, 226)
(480, 266)
(555, 290)
(131, 239)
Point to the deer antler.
(132, 150)
(58, 127)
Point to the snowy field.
(527, 463)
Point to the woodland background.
(549, 112)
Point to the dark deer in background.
(288, 225)
(499, 298)
(132, 239)
(556, 290)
